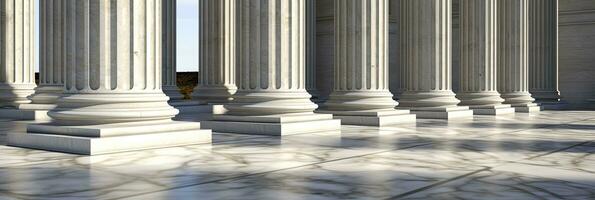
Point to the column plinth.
(17, 74)
(271, 97)
(217, 51)
(113, 99)
(543, 54)
(513, 54)
(360, 95)
(426, 41)
(478, 59)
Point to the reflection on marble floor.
(549, 155)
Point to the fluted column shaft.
(113, 63)
(217, 61)
(513, 77)
(51, 54)
(271, 58)
(169, 69)
(17, 74)
(311, 49)
(478, 66)
(426, 54)
(543, 50)
(361, 57)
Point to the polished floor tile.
(524, 156)
(493, 184)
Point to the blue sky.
(187, 35)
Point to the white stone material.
(51, 64)
(271, 72)
(513, 72)
(110, 138)
(217, 60)
(113, 70)
(17, 73)
(361, 66)
(30, 113)
(426, 43)
(51, 54)
(170, 87)
(543, 52)
(311, 50)
(478, 58)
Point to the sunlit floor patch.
(549, 155)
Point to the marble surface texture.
(549, 155)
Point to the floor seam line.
(273, 171)
(433, 185)
(557, 150)
(544, 126)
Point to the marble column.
(543, 51)
(217, 61)
(271, 54)
(51, 54)
(426, 42)
(170, 87)
(513, 54)
(360, 95)
(113, 99)
(396, 83)
(17, 73)
(478, 58)
(311, 50)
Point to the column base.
(173, 92)
(442, 113)
(315, 96)
(317, 100)
(189, 107)
(214, 93)
(492, 110)
(372, 118)
(14, 95)
(527, 108)
(47, 94)
(28, 112)
(275, 125)
(110, 138)
(553, 105)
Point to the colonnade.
(107, 69)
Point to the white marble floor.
(550, 155)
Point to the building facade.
(277, 67)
